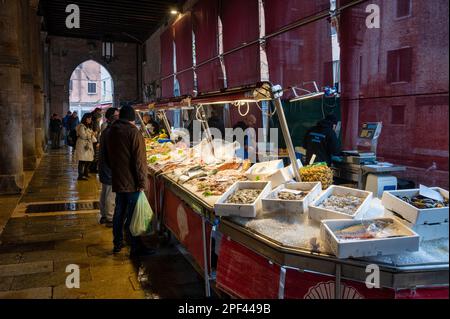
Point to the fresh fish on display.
(289, 195)
(422, 202)
(347, 204)
(372, 230)
(244, 196)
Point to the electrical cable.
(239, 109)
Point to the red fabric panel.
(281, 13)
(245, 274)
(167, 52)
(241, 25)
(167, 87)
(303, 54)
(205, 23)
(166, 39)
(186, 226)
(186, 82)
(183, 43)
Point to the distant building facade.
(90, 86)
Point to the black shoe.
(109, 224)
(117, 249)
(82, 178)
(102, 221)
(142, 253)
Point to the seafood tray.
(272, 203)
(224, 208)
(391, 200)
(367, 238)
(317, 212)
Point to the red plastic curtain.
(398, 75)
(241, 25)
(205, 24)
(303, 54)
(183, 44)
(167, 62)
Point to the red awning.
(184, 59)
(167, 39)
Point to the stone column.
(37, 78)
(28, 127)
(11, 155)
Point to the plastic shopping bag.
(141, 222)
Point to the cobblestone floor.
(35, 249)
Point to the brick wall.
(67, 53)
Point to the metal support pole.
(337, 292)
(205, 126)
(205, 259)
(163, 116)
(282, 282)
(277, 93)
(143, 126)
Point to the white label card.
(430, 193)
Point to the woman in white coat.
(84, 150)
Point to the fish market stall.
(250, 238)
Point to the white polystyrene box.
(368, 247)
(261, 171)
(221, 208)
(319, 213)
(413, 214)
(271, 204)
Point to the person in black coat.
(55, 130)
(322, 141)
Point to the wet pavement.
(37, 248)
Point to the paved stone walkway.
(35, 249)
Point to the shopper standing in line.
(96, 119)
(126, 156)
(107, 197)
(55, 131)
(84, 150)
(66, 126)
(72, 124)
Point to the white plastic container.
(319, 213)
(428, 231)
(261, 171)
(368, 247)
(222, 208)
(271, 203)
(413, 214)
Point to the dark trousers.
(83, 168)
(56, 139)
(125, 204)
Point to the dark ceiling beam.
(111, 18)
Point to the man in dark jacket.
(107, 197)
(126, 156)
(55, 130)
(322, 141)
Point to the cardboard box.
(368, 247)
(271, 204)
(413, 214)
(319, 213)
(221, 208)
